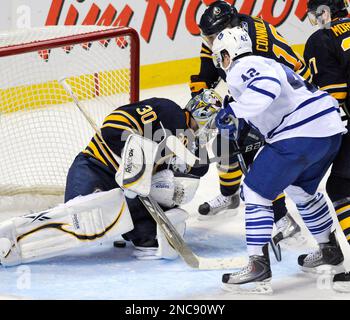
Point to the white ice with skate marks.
(112, 273)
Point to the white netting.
(41, 130)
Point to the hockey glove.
(250, 139)
(228, 125)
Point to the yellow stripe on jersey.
(279, 197)
(230, 184)
(113, 117)
(305, 73)
(131, 118)
(96, 153)
(343, 209)
(345, 44)
(335, 86)
(277, 36)
(118, 126)
(345, 223)
(106, 153)
(339, 95)
(204, 55)
(197, 86)
(230, 175)
(206, 50)
(280, 52)
(89, 153)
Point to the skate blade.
(341, 286)
(259, 287)
(324, 270)
(229, 213)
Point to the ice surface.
(112, 273)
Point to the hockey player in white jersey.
(302, 128)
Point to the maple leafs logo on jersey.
(244, 26)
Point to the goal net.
(41, 130)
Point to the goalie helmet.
(337, 8)
(235, 42)
(204, 106)
(217, 17)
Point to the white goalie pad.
(84, 221)
(170, 189)
(186, 186)
(135, 171)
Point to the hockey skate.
(341, 282)
(255, 278)
(328, 258)
(219, 207)
(288, 232)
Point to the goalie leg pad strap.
(81, 222)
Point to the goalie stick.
(158, 214)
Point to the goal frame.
(83, 37)
(86, 37)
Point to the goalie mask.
(335, 8)
(203, 109)
(204, 106)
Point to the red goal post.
(40, 130)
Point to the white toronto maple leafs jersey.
(279, 103)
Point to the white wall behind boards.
(167, 28)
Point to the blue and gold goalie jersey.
(267, 42)
(146, 118)
(328, 55)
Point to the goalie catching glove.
(170, 189)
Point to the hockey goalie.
(101, 203)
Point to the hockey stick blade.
(276, 250)
(181, 247)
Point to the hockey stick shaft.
(87, 116)
(158, 214)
